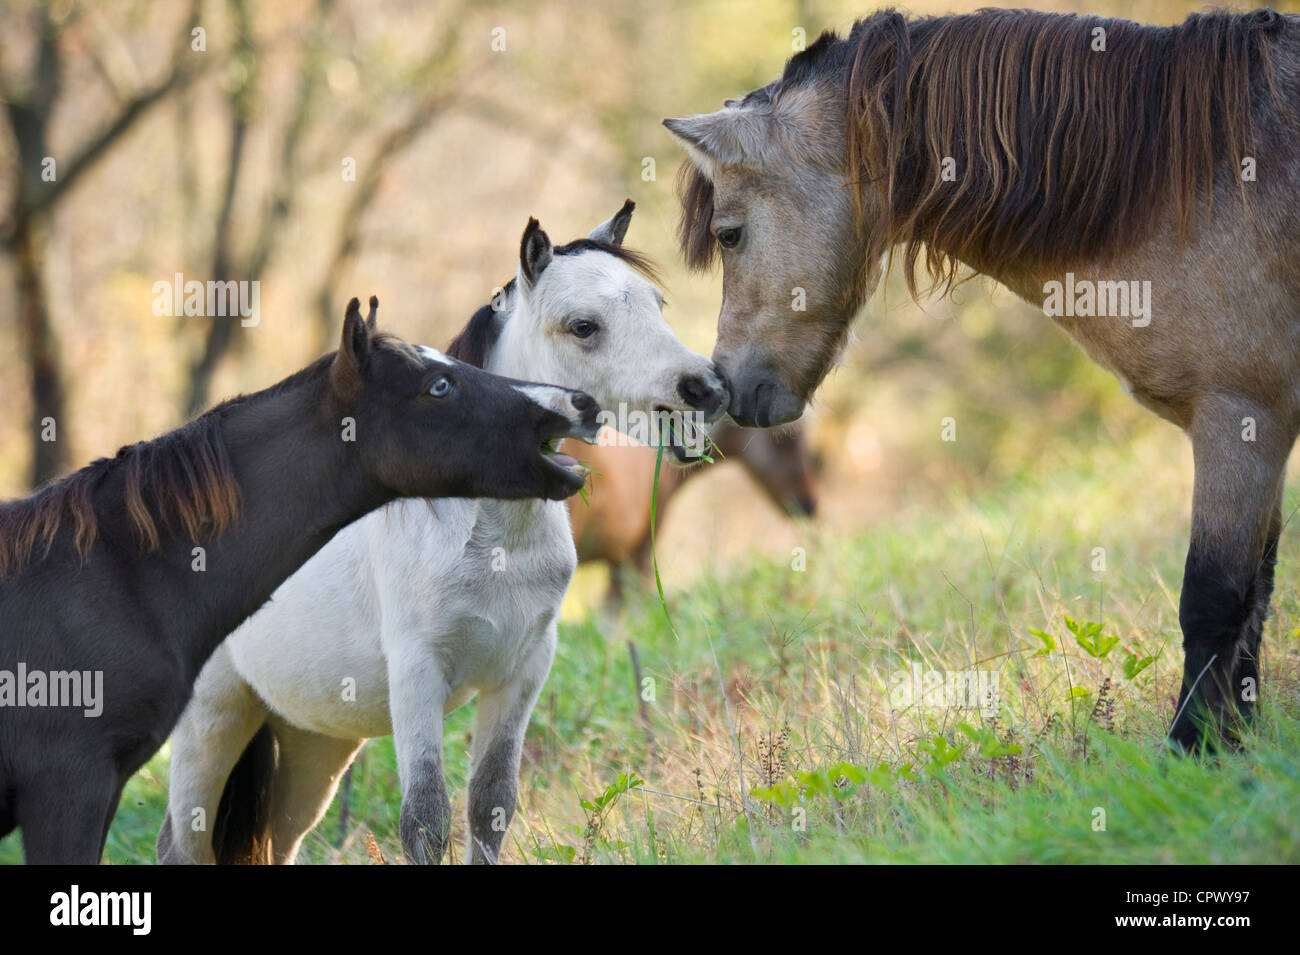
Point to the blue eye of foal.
(441, 388)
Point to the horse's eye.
(729, 238)
(441, 388)
(583, 328)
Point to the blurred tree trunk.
(439, 77)
(40, 349)
(348, 240)
(220, 336)
(35, 197)
(28, 120)
(221, 329)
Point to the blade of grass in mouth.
(654, 551)
(654, 513)
(585, 492)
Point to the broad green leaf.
(1133, 664)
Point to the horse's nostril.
(583, 402)
(695, 391)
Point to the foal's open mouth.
(684, 435)
(569, 465)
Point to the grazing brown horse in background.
(1142, 183)
(615, 525)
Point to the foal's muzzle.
(576, 414)
(567, 414)
(706, 393)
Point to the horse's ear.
(734, 136)
(534, 252)
(354, 350)
(372, 320)
(612, 230)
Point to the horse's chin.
(683, 458)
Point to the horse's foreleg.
(498, 744)
(1245, 679)
(1240, 452)
(417, 693)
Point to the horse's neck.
(515, 522)
(300, 483)
(511, 357)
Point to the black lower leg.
(493, 790)
(65, 817)
(1214, 611)
(426, 816)
(1245, 678)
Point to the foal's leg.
(65, 813)
(221, 718)
(1224, 598)
(494, 759)
(416, 696)
(306, 779)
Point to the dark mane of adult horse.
(1038, 148)
(1183, 106)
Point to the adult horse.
(122, 578)
(1142, 183)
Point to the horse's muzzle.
(706, 393)
(762, 400)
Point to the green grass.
(810, 760)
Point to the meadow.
(780, 724)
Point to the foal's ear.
(534, 252)
(734, 136)
(612, 230)
(354, 348)
(372, 320)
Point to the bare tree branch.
(184, 70)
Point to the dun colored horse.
(1141, 183)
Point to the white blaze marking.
(433, 354)
(548, 396)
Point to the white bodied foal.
(407, 614)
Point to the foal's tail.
(241, 832)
